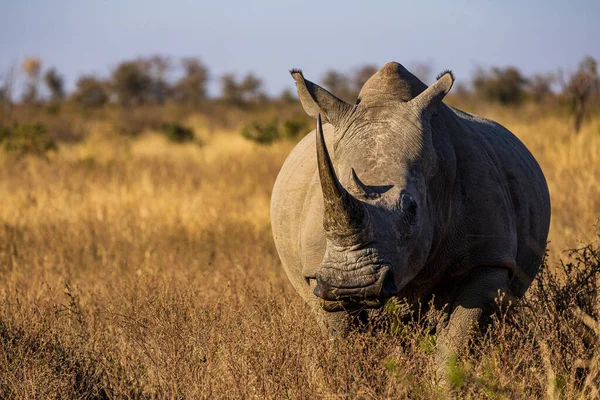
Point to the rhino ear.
(434, 94)
(316, 100)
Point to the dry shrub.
(545, 345)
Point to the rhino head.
(378, 213)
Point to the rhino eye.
(408, 205)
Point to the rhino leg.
(469, 310)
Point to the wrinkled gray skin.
(402, 196)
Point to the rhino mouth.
(350, 304)
(367, 287)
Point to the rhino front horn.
(344, 215)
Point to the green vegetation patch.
(176, 132)
(262, 133)
(268, 132)
(26, 138)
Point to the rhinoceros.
(400, 196)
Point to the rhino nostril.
(318, 290)
(388, 287)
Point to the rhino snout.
(366, 283)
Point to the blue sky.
(271, 36)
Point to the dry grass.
(140, 269)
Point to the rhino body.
(402, 196)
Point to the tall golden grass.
(138, 268)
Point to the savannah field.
(135, 267)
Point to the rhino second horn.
(359, 188)
(344, 215)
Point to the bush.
(265, 133)
(176, 132)
(26, 139)
(562, 300)
(503, 85)
(292, 128)
(131, 83)
(91, 92)
(261, 133)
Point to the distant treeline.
(160, 80)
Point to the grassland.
(139, 268)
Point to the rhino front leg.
(469, 310)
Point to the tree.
(132, 83)
(251, 87)
(55, 84)
(503, 85)
(248, 90)
(6, 88)
(580, 88)
(230, 90)
(91, 92)
(540, 86)
(32, 67)
(156, 68)
(191, 88)
(339, 84)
